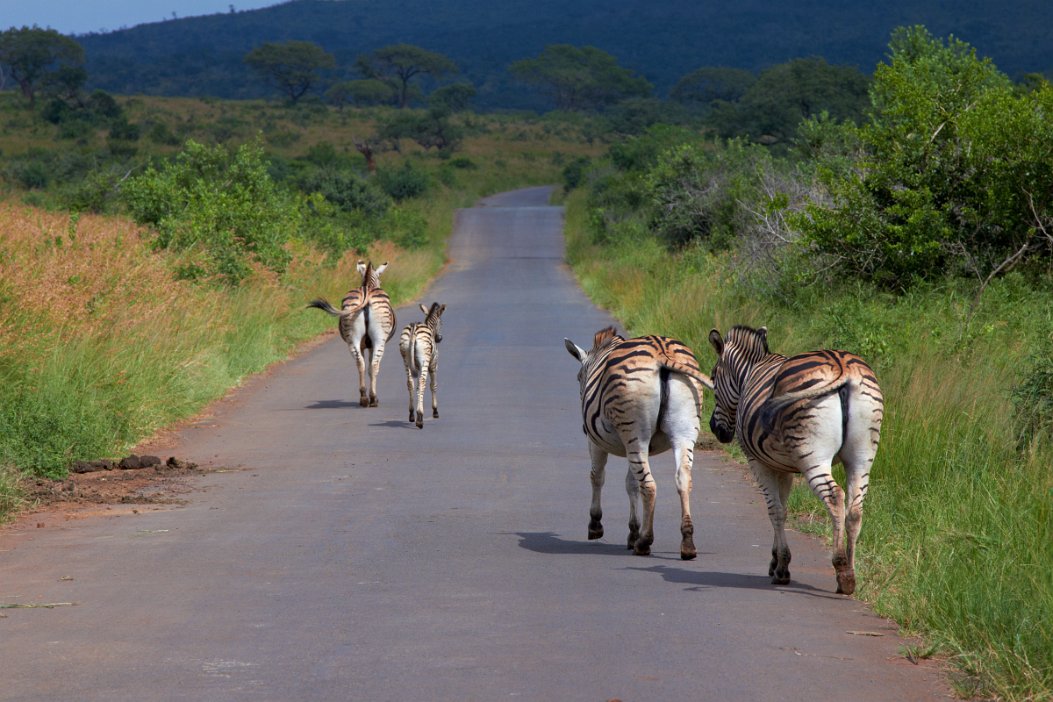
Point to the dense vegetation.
(157, 271)
(907, 217)
(920, 240)
(661, 41)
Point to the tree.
(32, 55)
(452, 98)
(702, 87)
(292, 66)
(956, 176)
(784, 95)
(399, 64)
(580, 78)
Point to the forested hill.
(659, 39)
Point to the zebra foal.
(640, 397)
(419, 347)
(800, 415)
(367, 323)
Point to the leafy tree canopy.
(782, 96)
(33, 55)
(708, 84)
(291, 66)
(956, 173)
(399, 64)
(580, 78)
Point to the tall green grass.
(957, 540)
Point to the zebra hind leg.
(633, 489)
(776, 488)
(596, 477)
(684, 456)
(821, 481)
(434, 397)
(641, 470)
(360, 361)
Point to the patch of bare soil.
(109, 484)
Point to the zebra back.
(611, 370)
(767, 399)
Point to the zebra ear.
(718, 343)
(763, 331)
(442, 308)
(575, 350)
(424, 309)
(382, 267)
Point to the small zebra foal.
(419, 347)
(800, 415)
(640, 397)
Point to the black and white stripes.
(640, 397)
(418, 345)
(367, 323)
(800, 415)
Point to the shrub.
(221, 203)
(404, 182)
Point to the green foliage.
(33, 55)
(223, 205)
(957, 173)
(580, 78)
(704, 86)
(403, 182)
(347, 191)
(774, 104)
(697, 193)
(400, 64)
(1033, 397)
(291, 66)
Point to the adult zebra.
(799, 415)
(640, 397)
(367, 323)
(420, 353)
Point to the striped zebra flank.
(640, 397)
(418, 345)
(800, 414)
(367, 323)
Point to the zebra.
(419, 347)
(639, 397)
(800, 415)
(367, 323)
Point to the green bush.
(222, 204)
(347, 190)
(404, 182)
(956, 173)
(1033, 398)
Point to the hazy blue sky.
(82, 16)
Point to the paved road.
(354, 557)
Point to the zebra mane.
(434, 312)
(604, 337)
(753, 341)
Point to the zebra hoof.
(412, 416)
(435, 414)
(420, 420)
(642, 548)
(374, 402)
(846, 583)
(363, 402)
(688, 553)
(780, 579)
(595, 531)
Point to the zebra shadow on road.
(700, 580)
(332, 404)
(697, 580)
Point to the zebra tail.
(678, 367)
(323, 304)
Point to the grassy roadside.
(957, 539)
(102, 344)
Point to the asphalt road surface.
(347, 555)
